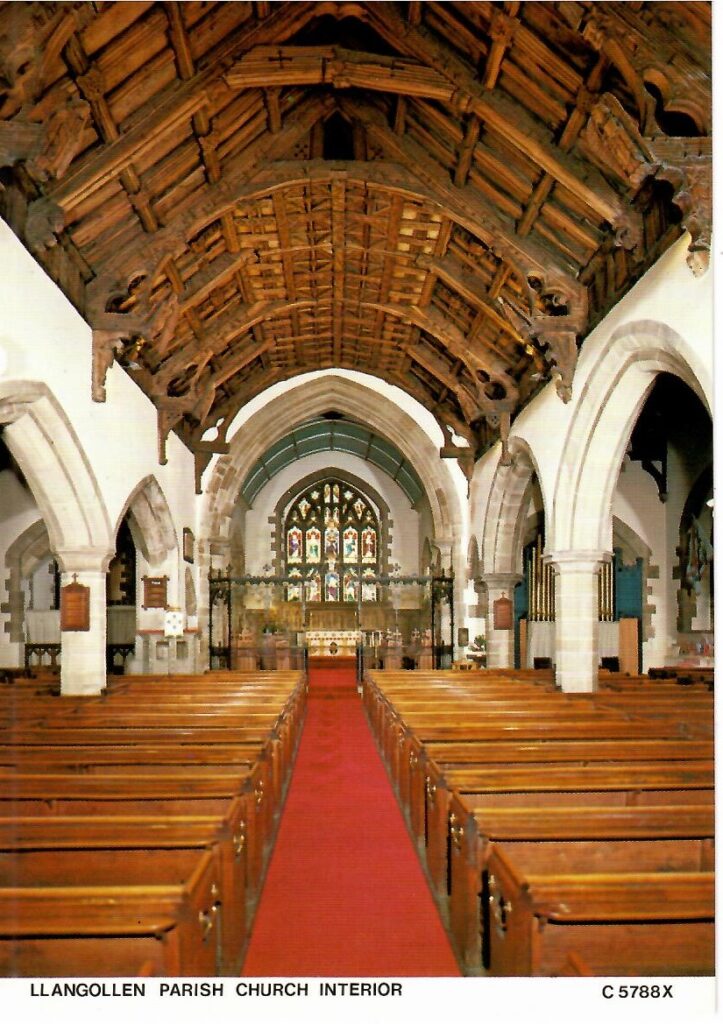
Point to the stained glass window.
(331, 540)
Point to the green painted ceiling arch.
(332, 434)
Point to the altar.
(332, 643)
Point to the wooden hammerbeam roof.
(446, 195)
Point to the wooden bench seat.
(88, 931)
(653, 835)
(131, 851)
(150, 795)
(620, 783)
(641, 923)
(456, 754)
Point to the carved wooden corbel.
(450, 450)
(559, 335)
(63, 136)
(500, 420)
(105, 346)
(687, 165)
(557, 319)
(19, 140)
(203, 452)
(110, 333)
(45, 220)
(167, 420)
(613, 141)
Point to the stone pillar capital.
(501, 580)
(90, 559)
(577, 562)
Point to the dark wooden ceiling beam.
(477, 361)
(466, 151)
(503, 26)
(171, 108)
(282, 226)
(431, 263)
(338, 216)
(212, 202)
(421, 354)
(467, 204)
(508, 118)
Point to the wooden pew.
(132, 851)
(551, 785)
(151, 794)
(109, 930)
(445, 755)
(652, 834)
(641, 923)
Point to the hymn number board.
(75, 607)
(155, 591)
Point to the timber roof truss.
(446, 195)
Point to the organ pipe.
(540, 586)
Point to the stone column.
(82, 658)
(577, 627)
(500, 642)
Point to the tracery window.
(331, 544)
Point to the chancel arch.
(304, 401)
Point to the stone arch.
(313, 398)
(473, 559)
(504, 522)
(21, 559)
(385, 522)
(150, 521)
(427, 555)
(304, 401)
(51, 457)
(190, 588)
(610, 403)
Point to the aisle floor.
(345, 895)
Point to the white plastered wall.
(44, 342)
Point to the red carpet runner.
(345, 894)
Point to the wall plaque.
(74, 607)
(155, 591)
(502, 613)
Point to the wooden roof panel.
(289, 184)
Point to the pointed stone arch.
(313, 398)
(611, 400)
(21, 559)
(504, 522)
(44, 444)
(150, 521)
